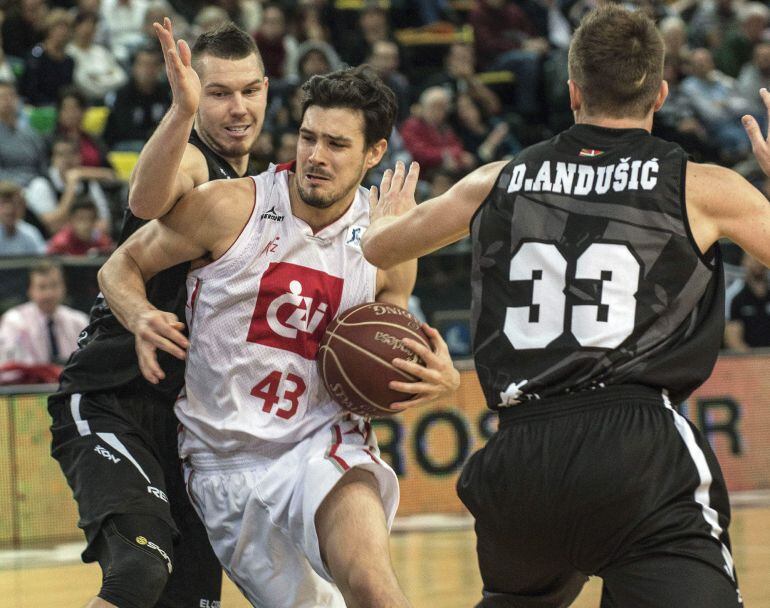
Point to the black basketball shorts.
(118, 451)
(612, 482)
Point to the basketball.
(355, 356)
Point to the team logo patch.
(294, 306)
(590, 152)
(141, 540)
(353, 237)
(271, 214)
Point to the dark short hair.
(44, 267)
(83, 202)
(616, 58)
(70, 91)
(226, 41)
(9, 190)
(358, 89)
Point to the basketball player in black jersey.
(597, 307)
(114, 434)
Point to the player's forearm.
(151, 192)
(123, 286)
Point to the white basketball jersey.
(256, 317)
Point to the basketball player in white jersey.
(291, 488)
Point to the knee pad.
(135, 554)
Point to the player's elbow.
(374, 251)
(144, 209)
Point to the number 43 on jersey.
(605, 324)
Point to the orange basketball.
(355, 356)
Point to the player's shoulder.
(708, 181)
(194, 164)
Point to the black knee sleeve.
(135, 554)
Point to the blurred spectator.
(499, 27)
(80, 236)
(313, 57)
(674, 32)
(718, 105)
(6, 70)
(285, 112)
(754, 76)
(677, 120)
(42, 330)
(309, 23)
(484, 141)
(285, 147)
(207, 19)
(710, 21)
(22, 154)
(23, 27)
(51, 196)
(430, 139)
(460, 76)
(140, 104)
(48, 68)
(97, 72)
(17, 237)
(123, 22)
(262, 154)
(507, 40)
(373, 27)
(69, 123)
(738, 45)
(274, 42)
(155, 12)
(246, 14)
(384, 59)
(748, 324)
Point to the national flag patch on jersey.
(590, 152)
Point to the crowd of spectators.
(476, 80)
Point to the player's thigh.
(660, 581)
(112, 473)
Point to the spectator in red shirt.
(79, 236)
(429, 137)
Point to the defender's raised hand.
(185, 84)
(760, 144)
(396, 193)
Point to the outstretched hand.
(185, 84)
(760, 144)
(155, 330)
(436, 380)
(396, 192)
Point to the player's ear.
(662, 94)
(575, 96)
(375, 153)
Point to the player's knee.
(136, 567)
(136, 580)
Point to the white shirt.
(97, 72)
(24, 333)
(42, 198)
(256, 317)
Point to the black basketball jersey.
(105, 357)
(585, 272)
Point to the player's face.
(232, 104)
(332, 157)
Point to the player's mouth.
(316, 178)
(238, 131)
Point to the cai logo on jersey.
(294, 306)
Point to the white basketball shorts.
(259, 509)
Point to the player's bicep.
(723, 204)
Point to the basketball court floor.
(434, 559)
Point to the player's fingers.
(169, 329)
(398, 177)
(163, 37)
(167, 25)
(410, 183)
(754, 132)
(148, 363)
(373, 198)
(418, 348)
(414, 368)
(387, 178)
(436, 340)
(157, 340)
(185, 55)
